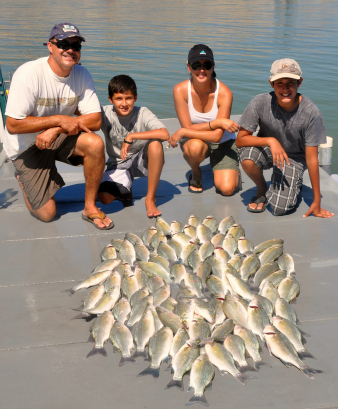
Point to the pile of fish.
(199, 294)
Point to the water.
(150, 40)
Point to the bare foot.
(152, 210)
(197, 178)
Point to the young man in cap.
(40, 126)
(290, 129)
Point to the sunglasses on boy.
(207, 65)
(65, 45)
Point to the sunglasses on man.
(207, 65)
(65, 45)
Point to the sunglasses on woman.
(65, 45)
(207, 65)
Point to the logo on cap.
(203, 52)
(67, 28)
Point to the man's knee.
(155, 147)
(47, 212)
(92, 144)
(248, 165)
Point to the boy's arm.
(246, 138)
(311, 156)
(162, 134)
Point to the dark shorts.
(37, 171)
(285, 184)
(118, 179)
(223, 156)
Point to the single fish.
(269, 291)
(289, 289)
(201, 375)
(236, 346)
(240, 287)
(122, 339)
(153, 269)
(100, 332)
(220, 332)
(141, 251)
(133, 238)
(275, 278)
(92, 298)
(154, 283)
(122, 310)
(206, 249)
(271, 254)
(167, 252)
(245, 246)
(91, 281)
(263, 272)
(236, 231)
(285, 262)
(156, 240)
(199, 328)
(251, 345)
(169, 304)
(183, 361)
(144, 330)
(257, 319)
(194, 220)
(162, 226)
(129, 285)
(147, 235)
(282, 348)
(203, 233)
(179, 340)
(177, 272)
(176, 227)
(107, 302)
(127, 253)
(225, 224)
(190, 231)
(158, 259)
(237, 309)
(218, 239)
(159, 348)
(113, 279)
(249, 267)
(161, 295)
(284, 309)
(205, 309)
(108, 253)
(230, 245)
(293, 334)
(266, 244)
(169, 319)
(212, 223)
(138, 310)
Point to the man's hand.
(73, 126)
(175, 137)
(317, 211)
(47, 137)
(278, 153)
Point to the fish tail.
(176, 382)
(260, 363)
(197, 399)
(125, 359)
(247, 368)
(309, 372)
(140, 353)
(305, 354)
(95, 351)
(155, 372)
(242, 378)
(81, 315)
(70, 291)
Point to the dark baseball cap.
(64, 30)
(200, 52)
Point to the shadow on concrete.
(6, 196)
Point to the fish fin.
(81, 315)
(176, 382)
(95, 351)
(190, 388)
(140, 353)
(209, 386)
(91, 338)
(168, 368)
(115, 349)
(298, 322)
(197, 399)
(305, 354)
(125, 359)
(223, 373)
(304, 334)
(242, 378)
(166, 359)
(247, 368)
(70, 291)
(155, 372)
(260, 363)
(309, 372)
(293, 301)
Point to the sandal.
(101, 215)
(195, 183)
(257, 200)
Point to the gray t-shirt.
(116, 128)
(304, 126)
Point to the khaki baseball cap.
(285, 68)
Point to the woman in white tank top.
(203, 106)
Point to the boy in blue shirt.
(290, 129)
(134, 139)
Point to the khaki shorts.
(37, 171)
(222, 156)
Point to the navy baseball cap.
(200, 52)
(64, 30)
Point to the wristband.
(210, 127)
(129, 143)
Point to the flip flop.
(101, 215)
(195, 183)
(257, 201)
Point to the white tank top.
(203, 117)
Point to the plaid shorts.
(285, 184)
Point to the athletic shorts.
(118, 178)
(285, 184)
(37, 171)
(223, 156)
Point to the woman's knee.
(195, 147)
